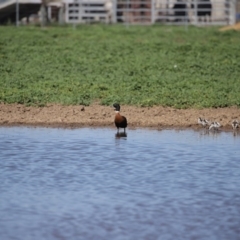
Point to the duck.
(203, 122)
(215, 126)
(119, 120)
(235, 124)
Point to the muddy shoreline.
(96, 115)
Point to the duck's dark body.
(119, 120)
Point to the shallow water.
(90, 184)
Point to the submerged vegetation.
(144, 66)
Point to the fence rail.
(196, 12)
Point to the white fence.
(197, 12)
(83, 11)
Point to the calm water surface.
(88, 184)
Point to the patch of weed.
(143, 66)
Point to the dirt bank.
(97, 115)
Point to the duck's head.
(116, 107)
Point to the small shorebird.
(235, 124)
(119, 120)
(215, 126)
(203, 122)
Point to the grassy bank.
(141, 66)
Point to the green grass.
(143, 66)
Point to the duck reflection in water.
(120, 135)
(236, 133)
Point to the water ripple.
(94, 184)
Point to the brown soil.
(97, 115)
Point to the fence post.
(128, 20)
(80, 11)
(232, 12)
(186, 17)
(66, 13)
(153, 11)
(114, 11)
(60, 15)
(195, 12)
(49, 13)
(17, 13)
(43, 15)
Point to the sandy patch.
(99, 116)
(231, 27)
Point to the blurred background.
(194, 12)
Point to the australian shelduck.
(119, 120)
